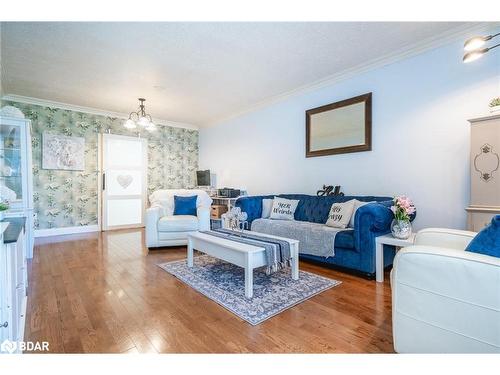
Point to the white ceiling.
(196, 73)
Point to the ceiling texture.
(194, 73)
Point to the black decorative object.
(329, 190)
(229, 193)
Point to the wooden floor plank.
(104, 293)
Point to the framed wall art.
(63, 152)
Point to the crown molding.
(93, 111)
(492, 116)
(439, 40)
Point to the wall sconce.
(473, 49)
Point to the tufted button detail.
(310, 208)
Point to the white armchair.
(163, 228)
(444, 299)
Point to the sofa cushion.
(267, 205)
(185, 205)
(345, 239)
(487, 241)
(283, 209)
(340, 214)
(178, 223)
(174, 236)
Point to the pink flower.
(403, 206)
(404, 202)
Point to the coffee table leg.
(248, 276)
(295, 263)
(190, 252)
(379, 262)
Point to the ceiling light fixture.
(473, 49)
(477, 42)
(140, 118)
(476, 54)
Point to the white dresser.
(13, 281)
(485, 172)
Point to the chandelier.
(140, 118)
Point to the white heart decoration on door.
(124, 180)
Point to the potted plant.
(494, 104)
(4, 206)
(402, 208)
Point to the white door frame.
(102, 209)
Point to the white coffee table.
(387, 239)
(246, 256)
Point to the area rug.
(224, 283)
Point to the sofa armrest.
(252, 205)
(153, 215)
(371, 220)
(203, 214)
(445, 300)
(449, 238)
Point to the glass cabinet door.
(11, 168)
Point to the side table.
(387, 239)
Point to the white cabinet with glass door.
(16, 175)
(124, 181)
(4, 289)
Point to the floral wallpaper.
(69, 198)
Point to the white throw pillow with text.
(340, 214)
(283, 209)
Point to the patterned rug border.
(335, 283)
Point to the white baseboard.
(66, 230)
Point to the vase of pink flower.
(402, 208)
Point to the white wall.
(420, 143)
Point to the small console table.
(216, 222)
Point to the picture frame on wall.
(63, 152)
(339, 128)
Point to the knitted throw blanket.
(277, 251)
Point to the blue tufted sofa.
(354, 249)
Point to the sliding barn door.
(124, 181)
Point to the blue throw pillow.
(487, 241)
(185, 205)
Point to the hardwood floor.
(103, 293)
